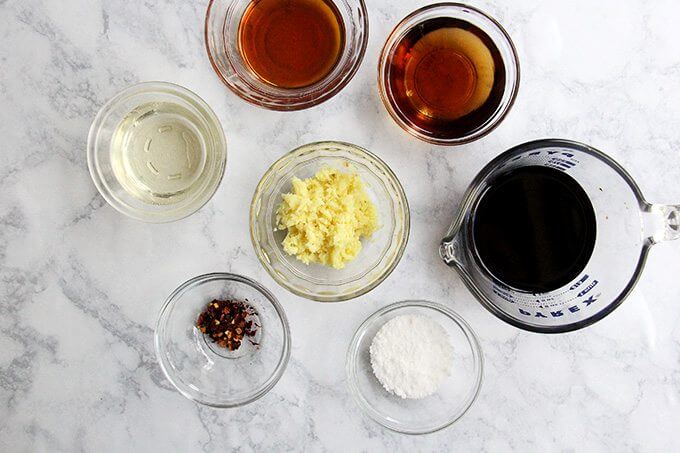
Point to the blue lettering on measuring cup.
(590, 300)
(563, 162)
(590, 286)
(572, 309)
(503, 295)
(579, 283)
(554, 314)
(561, 165)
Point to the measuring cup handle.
(669, 216)
(449, 251)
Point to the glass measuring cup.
(627, 226)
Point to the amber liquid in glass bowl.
(286, 54)
(291, 43)
(446, 77)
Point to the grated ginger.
(326, 216)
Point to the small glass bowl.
(222, 43)
(417, 416)
(204, 124)
(206, 373)
(484, 22)
(380, 253)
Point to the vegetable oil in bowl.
(158, 153)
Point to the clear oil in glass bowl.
(158, 153)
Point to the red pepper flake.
(228, 322)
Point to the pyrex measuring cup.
(626, 228)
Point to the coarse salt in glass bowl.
(417, 416)
(206, 373)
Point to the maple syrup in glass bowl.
(286, 55)
(448, 74)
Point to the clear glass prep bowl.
(417, 416)
(205, 373)
(380, 253)
(481, 20)
(99, 152)
(222, 43)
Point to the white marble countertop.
(82, 285)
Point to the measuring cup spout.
(667, 225)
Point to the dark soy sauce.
(534, 229)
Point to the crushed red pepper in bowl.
(228, 322)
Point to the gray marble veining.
(82, 285)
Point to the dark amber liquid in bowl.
(291, 43)
(445, 78)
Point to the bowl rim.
(93, 150)
(321, 146)
(389, 46)
(351, 368)
(227, 276)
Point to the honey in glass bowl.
(291, 43)
(286, 54)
